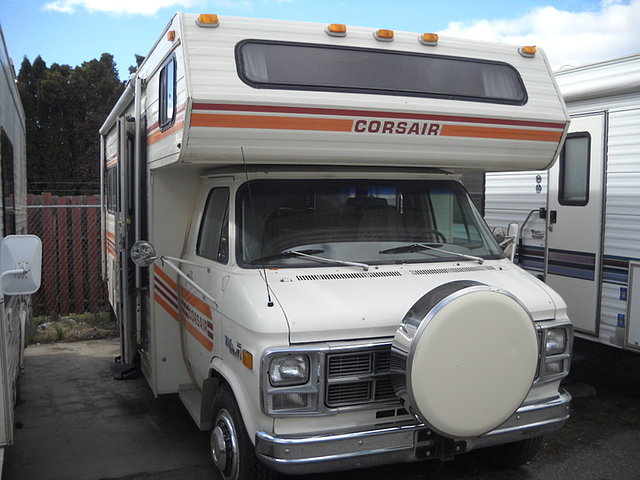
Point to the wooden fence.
(69, 227)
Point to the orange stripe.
(165, 277)
(111, 235)
(196, 302)
(271, 123)
(192, 329)
(151, 139)
(197, 334)
(504, 133)
(164, 304)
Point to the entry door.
(575, 221)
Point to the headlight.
(555, 341)
(287, 370)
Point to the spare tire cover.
(465, 356)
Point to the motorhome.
(289, 248)
(19, 267)
(580, 219)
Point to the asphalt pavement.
(74, 422)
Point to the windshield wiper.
(309, 254)
(418, 247)
(284, 254)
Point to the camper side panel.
(14, 310)
(111, 179)
(165, 99)
(172, 193)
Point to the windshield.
(306, 223)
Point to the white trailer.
(584, 244)
(15, 305)
(324, 294)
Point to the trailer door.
(575, 220)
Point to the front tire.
(231, 449)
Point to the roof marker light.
(528, 51)
(336, 30)
(429, 39)
(171, 35)
(207, 20)
(383, 35)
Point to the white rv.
(321, 291)
(19, 267)
(580, 219)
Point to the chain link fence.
(69, 227)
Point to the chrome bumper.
(344, 451)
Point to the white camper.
(320, 290)
(580, 219)
(19, 262)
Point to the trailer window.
(8, 185)
(574, 170)
(364, 221)
(268, 64)
(111, 188)
(213, 237)
(167, 103)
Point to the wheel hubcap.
(224, 445)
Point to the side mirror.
(143, 253)
(20, 264)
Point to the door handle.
(553, 218)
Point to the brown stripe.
(503, 133)
(270, 123)
(374, 114)
(151, 139)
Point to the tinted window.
(213, 237)
(574, 170)
(324, 67)
(167, 106)
(8, 186)
(111, 188)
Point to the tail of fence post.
(64, 240)
(77, 239)
(51, 257)
(93, 253)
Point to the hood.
(329, 304)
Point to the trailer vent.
(439, 271)
(347, 276)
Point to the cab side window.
(213, 236)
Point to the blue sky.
(572, 32)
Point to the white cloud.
(568, 38)
(144, 7)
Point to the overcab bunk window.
(167, 99)
(282, 65)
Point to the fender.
(238, 387)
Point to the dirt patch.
(72, 328)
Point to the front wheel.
(231, 449)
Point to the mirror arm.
(186, 262)
(170, 262)
(17, 271)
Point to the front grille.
(359, 378)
